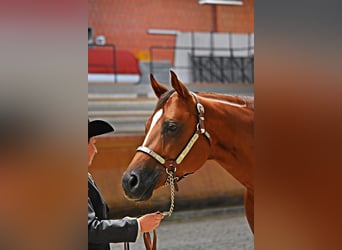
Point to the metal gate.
(222, 69)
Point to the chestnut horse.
(187, 129)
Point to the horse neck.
(231, 129)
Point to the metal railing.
(211, 68)
(209, 63)
(222, 69)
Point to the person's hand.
(149, 222)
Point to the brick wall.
(125, 22)
(236, 18)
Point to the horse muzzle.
(139, 185)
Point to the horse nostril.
(133, 181)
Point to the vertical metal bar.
(200, 69)
(211, 43)
(251, 57)
(193, 43)
(221, 69)
(114, 62)
(249, 45)
(243, 77)
(211, 56)
(231, 57)
(193, 64)
(252, 68)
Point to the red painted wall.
(125, 22)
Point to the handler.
(101, 230)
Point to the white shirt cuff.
(138, 234)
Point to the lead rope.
(147, 238)
(170, 181)
(126, 246)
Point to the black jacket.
(101, 230)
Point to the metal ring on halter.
(173, 171)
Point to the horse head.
(175, 141)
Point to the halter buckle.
(200, 113)
(200, 109)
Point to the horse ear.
(157, 87)
(179, 86)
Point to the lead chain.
(170, 181)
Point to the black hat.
(98, 127)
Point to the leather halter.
(171, 164)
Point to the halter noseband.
(171, 164)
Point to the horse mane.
(240, 100)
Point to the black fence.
(222, 69)
(211, 68)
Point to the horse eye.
(170, 127)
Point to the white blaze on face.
(155, 119)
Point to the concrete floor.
(209, 229)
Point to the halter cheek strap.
(151, 153)
(171, 164)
